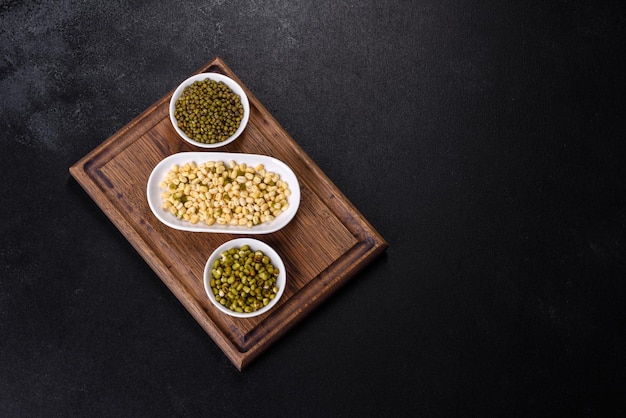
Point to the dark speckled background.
(483, 140)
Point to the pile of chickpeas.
(221, 193)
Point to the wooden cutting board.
(326, 243)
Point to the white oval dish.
(233, 85)
(254, 244)
(271, 164)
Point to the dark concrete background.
(483, 140)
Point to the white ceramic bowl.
(255, 245)
(232, 84)
(271, 164)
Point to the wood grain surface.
(326, 243)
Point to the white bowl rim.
(232, 84)
(254, 244)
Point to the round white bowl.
(255, 245)
(233, 85)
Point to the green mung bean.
(250, 286)
(208, 111)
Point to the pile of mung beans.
(244, 280)
(214, 192)
(208, 111)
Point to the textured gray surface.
(483, 140)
